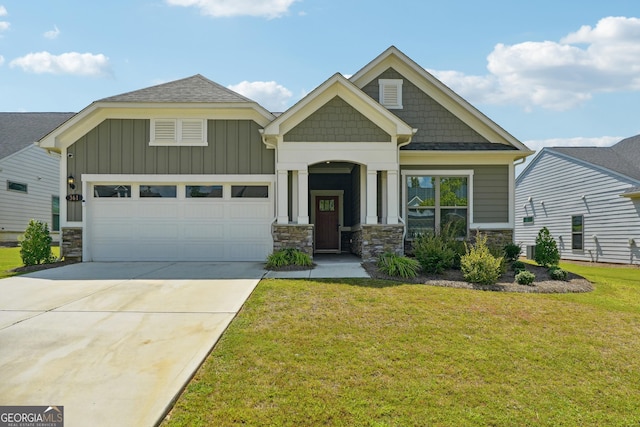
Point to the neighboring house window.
(178, 132)
(211, 191)
(16, 186)
(436, 202)
(55, 213)
(577, 232)
(250, 191)
(112, 191)
(391, 93)
(158, 191)
(527, 220)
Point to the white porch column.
(372, 196)
(294, 196)
(393, 197)
(384, 199)
(282, 204)
(303, 196)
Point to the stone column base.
(372, 240)
(298, 236)
(71, 243)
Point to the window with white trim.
(577, 232)
(391, 93)
(435, 202)
(178, 132)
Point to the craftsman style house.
(190, 170)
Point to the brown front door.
(327, 223)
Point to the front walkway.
(328, 266)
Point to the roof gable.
(439, 92)
(338, 85)
(19, 130)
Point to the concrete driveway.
(114, 342)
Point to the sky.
(551, 73)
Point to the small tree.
(546, 249)
(35, 244)
(478, 265)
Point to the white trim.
(390, 85)
(191, 179)
(178, 132)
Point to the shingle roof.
(457, 146)
(191, 89)
(19, 130)
(623, 157)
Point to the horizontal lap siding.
(121, 146)
(560, 183)
(25, 167)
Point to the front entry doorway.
(327, 223)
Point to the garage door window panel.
(203, 191)
(166, 191)
(250, 191)
(107, 191)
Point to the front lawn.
(10, 259)
(377, 353)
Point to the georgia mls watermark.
(31, 416)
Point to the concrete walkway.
(114, 342)
(327, 266)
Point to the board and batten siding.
(561, 182)
(490, 191)
(41, 172)
(121, 146)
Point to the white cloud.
(270, 95)
(80, 64)
(52, 34)
(3, 11)
(558, 75)
(4, 25)
(226, 8)
(1, 59)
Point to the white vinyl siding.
(391, 93)
(178, 132)
(40, 172)
(569, 188)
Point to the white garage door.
(182, 222)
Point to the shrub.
(525, 278)
(512, 252)
(556, 273)
(546, 249)
(479, 265)
(398, 266)
(518, 266)
(35, 244)
(440, 252)
(288, 256)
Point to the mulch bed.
(38, 267)
(453, 279)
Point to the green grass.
(375, 353)
(10, 259)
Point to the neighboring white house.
(588, 198)
(29, 175)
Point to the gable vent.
(192, 130)
(164, 130)
(391, 93)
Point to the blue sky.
(549, 72)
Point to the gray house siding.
(434, 122)
(121, 146)
(490, 190)
(41, 173)
(337, 121)
(561, 182)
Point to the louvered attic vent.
(178, 132)
(391, 93)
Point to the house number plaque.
(74, 197)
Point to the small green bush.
(288, 256)
(525, 278)
(512, 252)
(35, 244)
(439, 252)
(546, 249)
(556, 273)
(479, 265)
(398, 266)
(518, 266)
